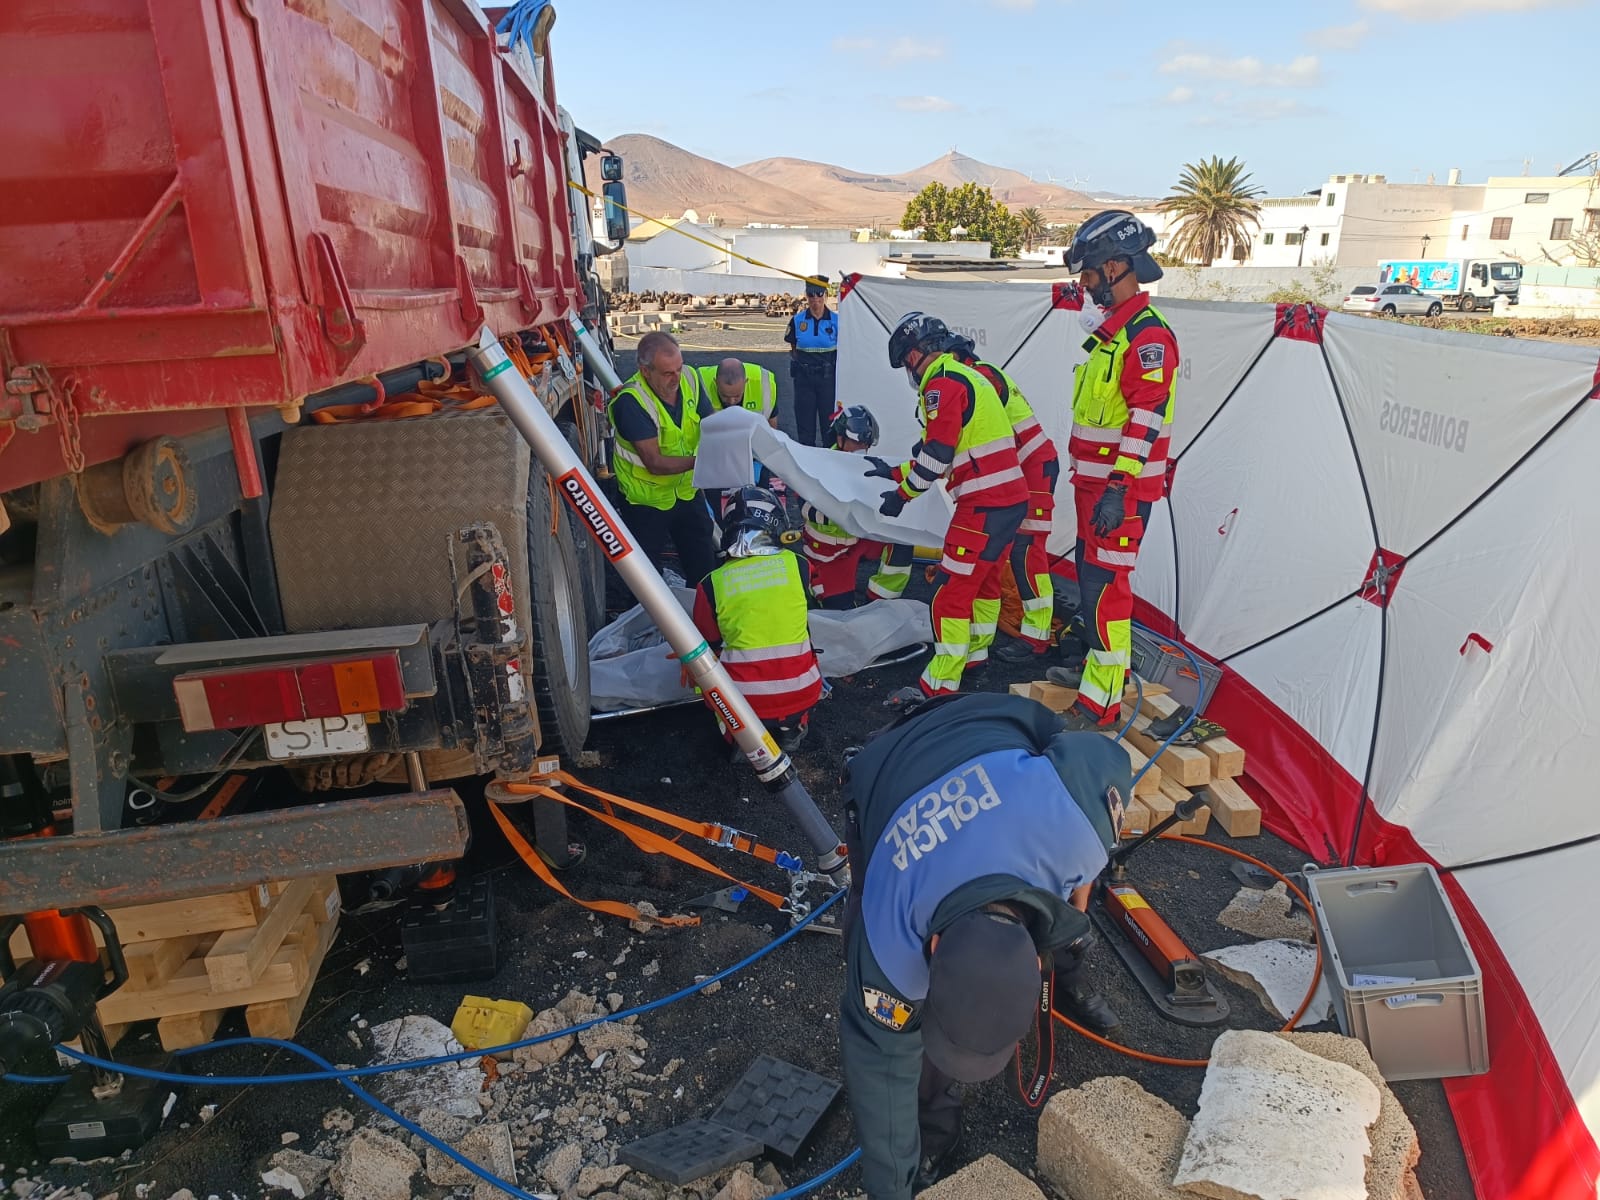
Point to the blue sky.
(1108, 96)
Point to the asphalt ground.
(785, 1005)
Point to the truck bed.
(215, 206)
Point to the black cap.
(983, 991)
(816, 287)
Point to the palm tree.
(1032, 228)
(1215, 205)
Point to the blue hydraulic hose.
(344, 1078)
(439, 1060)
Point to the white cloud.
(1339, 37)
(1180, 95)
(1303, 71)
(927, 104)
(906, 49)
(852, 45)
(1449, 10)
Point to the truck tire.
(1469, 303)
(591, 559)
(560, 633)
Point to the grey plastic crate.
(1397, 923)
(1156, 662)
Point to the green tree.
(1032, 227)
(937, 210)
(1215, 204)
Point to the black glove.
(1110, 511)
(879, 469)
(893, 502)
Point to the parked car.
(1392, 299)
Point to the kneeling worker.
(976, 828)
(752, 610)
(833, 551)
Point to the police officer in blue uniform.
(976, 828)
(813, 337)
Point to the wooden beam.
(1175, 792)
(182, 1030)
(1184, 765)
(1235, 811)
(240, 955)
(1227, 758)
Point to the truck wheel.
(560, 632)
(1469, 303)
(591, 559)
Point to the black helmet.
(753, 519)
(857, 424)
(1114, 233)
(962, 347)
(916, 331)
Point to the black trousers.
(813, 404)
(687, 525)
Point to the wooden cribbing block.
(189, 990)
(281, 1018)
(1136, 818)
(150, 964)
(1150, 782)
(168, 919)
(1184, 765)
(1227, 758)
(1202, 820)
(1160, 809)
(1235, 811)
(189, 1029)
(241, 955)
(1158, 705)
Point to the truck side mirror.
(616, 213)
(610, 168)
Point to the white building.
(1355, 221)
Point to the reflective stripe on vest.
(1099, 412)
(761, 605)
(760, 389)
(812, 336)
(680, 438)
(1002, 813)
(986, 454)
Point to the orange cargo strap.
(710, 831)
(644, 839)
(430, 397)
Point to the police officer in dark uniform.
(813, 337)
(976, 827)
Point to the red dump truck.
(235, 237)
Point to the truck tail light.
(234, 697)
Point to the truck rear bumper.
(199, 858)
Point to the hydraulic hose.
(579, 490)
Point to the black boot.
(934, 1167)
(1016, 651)
(1067, 677)
(1079, 1000)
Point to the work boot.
(1067, 677)
(935, 1167)
(1017, 651)
(789, 739)
(1078, 719)
(1086, 1006)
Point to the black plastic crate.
(455, 941)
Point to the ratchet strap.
(644, 839)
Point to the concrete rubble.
(375, 1166)
(449, 1087)
(488, 1145)
(1278, 1123)
(1266, 915)
(987, 1179)
(296, 1173)
(1278, 972)
(1109, 1139)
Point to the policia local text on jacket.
(657, 412)
(967, 802)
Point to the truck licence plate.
(318, 737)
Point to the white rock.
(1278, 972)
(452, 1087)
(376, 1167)
(1277, 1123)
